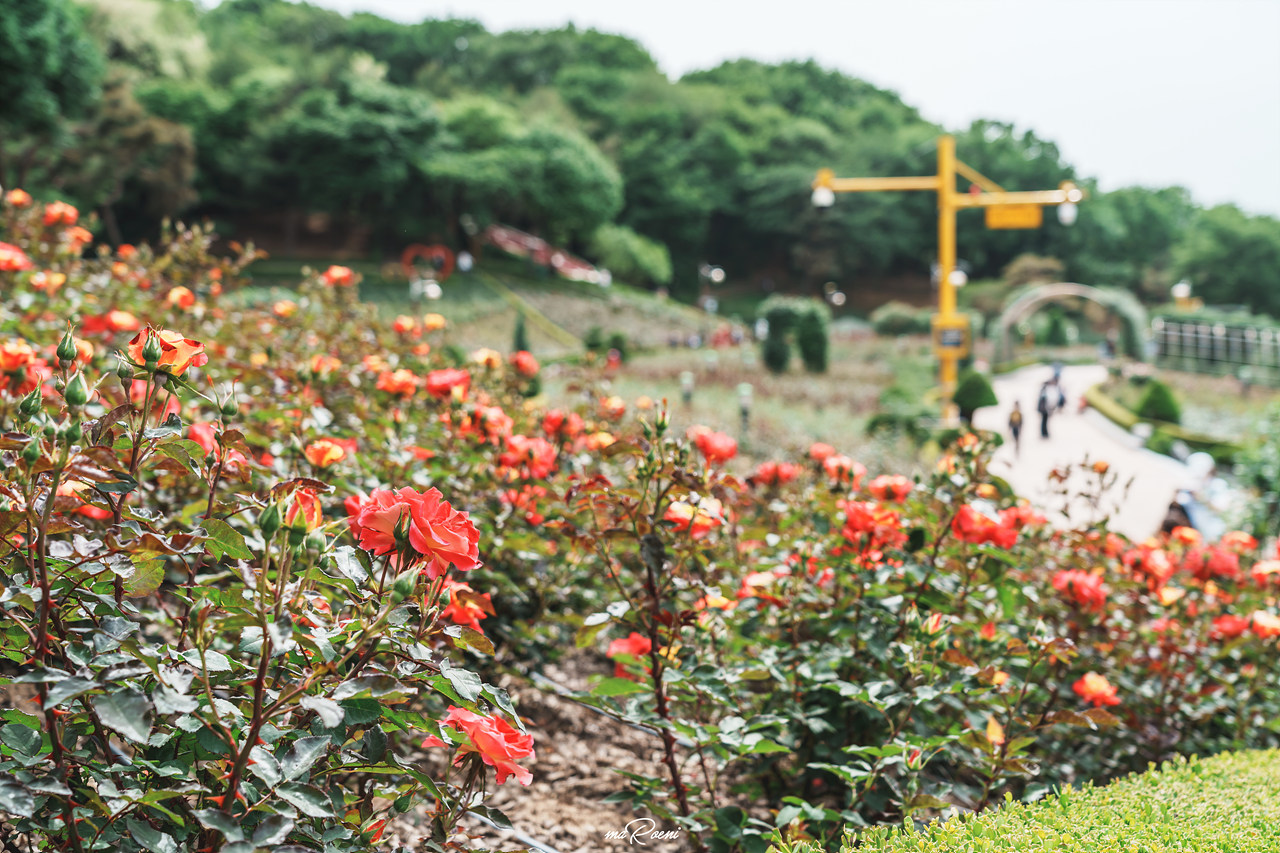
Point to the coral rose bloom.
(176, 352)
(1095, 688)
(324, 452)
(181, 297)
(716, 447)
(436, 532)
(338, 275)
(60, 213)
(15, 354)
(18, 197)
(524, 363)
(891, 487)
(495, 741)
(13, 259)
(441, 383)
(400, 382)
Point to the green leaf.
(68, 689)
(272, 831)
(15, 799)
(617, 687)
(329, 711)
(213, 661)
(349, 564)
(127, 712)
(304, 753)
(265, 767)
(382, 687)
(220, 821)
(467, 683)
(224, 540)
(308, 800)
(469, 638)
(360, 712)
(171, 426)
(150, 838)
(146, 579)
(21, 739)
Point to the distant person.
(1015, 426)
(1045, 407)
(1062, 399)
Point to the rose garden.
(264, 567)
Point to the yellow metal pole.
(947, 253)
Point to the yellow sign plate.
(1015, 216)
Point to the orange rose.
(15, 354)
(525, 364)
(433, 322)
(324, 452)
(433, 530)
(17, 198)
(495, 741)
(181, 297)
(336, 275)
(60, 213)
(1095, 688)
(176, 352)
(401, 382)
(304, 503)
(13, 259)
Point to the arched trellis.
(1032, 299)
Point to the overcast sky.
(1152, 92)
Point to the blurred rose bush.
(235, 544)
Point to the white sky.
(1151, 92)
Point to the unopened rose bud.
(30, 404)
(67, 351)
(402, 530)
(151, 351)
(230, 408)
(72, 432)
(317, 541)
(403, 587)
(76, 393)
(31, 452)
(269, 520)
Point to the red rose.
(1095, 688)
(525, 364)
(435, 532)
(13, 259)
(891, 487)
(1083, 588)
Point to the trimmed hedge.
(1163, 434)
(1230, 802)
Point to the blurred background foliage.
(258, 113)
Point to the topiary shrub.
(1056, 335)
(618, 341)
(973, 392)
(899, 318)
(782, 314)
(593, 340)
(1159, 404)
(776, 353)
(813, 336)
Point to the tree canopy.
(407, 131)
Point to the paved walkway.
(1073, 437)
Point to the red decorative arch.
(433, 254)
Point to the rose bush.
(235, 540)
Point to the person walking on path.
(1045, 408)
(1015, 426)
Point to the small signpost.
(1015, 216)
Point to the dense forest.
(268, 116)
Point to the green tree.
(1232, 258)
(50, 72)
(630, 257)
(1159, 403)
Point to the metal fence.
(1250, 353)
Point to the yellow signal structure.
(1004, 209)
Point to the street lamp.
(745, 392)
(686, 386)
(951, 333)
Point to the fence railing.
(1249, 353)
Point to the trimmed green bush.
(593, 340)
(813, 336)
(1159, 404)
(899, 318)
(973, 392)
(776, 353)
(1224, 803)
(618, 341)
(1056, 335)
